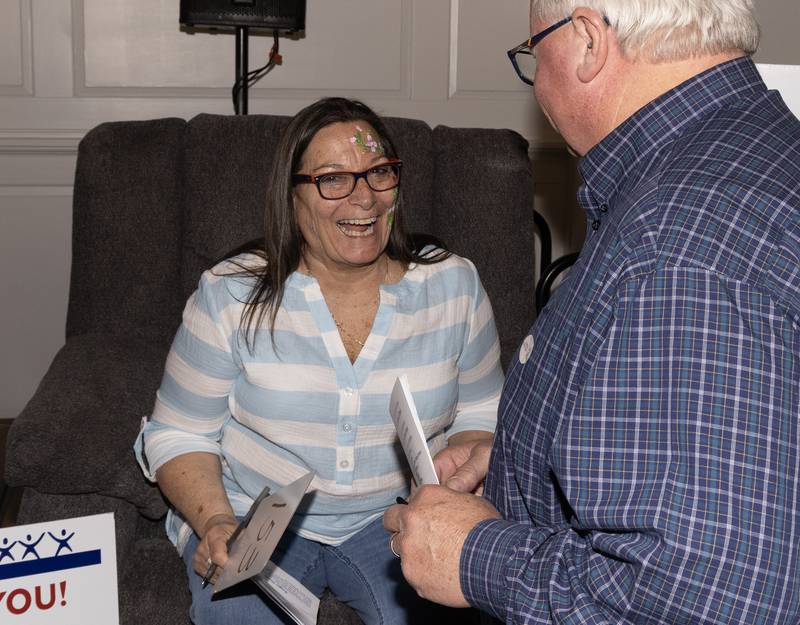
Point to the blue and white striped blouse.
(300, 404)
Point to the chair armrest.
(76, 433)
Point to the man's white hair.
(668, 30)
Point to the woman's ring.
(391, 545)
(208, 561)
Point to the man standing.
(646, 464)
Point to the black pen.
(209, 573)
(401, 500)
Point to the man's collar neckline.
(609, 163)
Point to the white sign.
(786, 79)
(62, 572)
(409, 429)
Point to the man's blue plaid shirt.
(646, 461)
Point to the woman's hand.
(193, 484)
(464, 463)
(213, 546)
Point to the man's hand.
(429, 534)
(463, 466)
(213, 546)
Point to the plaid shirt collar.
(608, 165)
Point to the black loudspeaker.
(281, 15)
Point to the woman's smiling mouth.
(357, 227)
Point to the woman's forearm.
(193, 484)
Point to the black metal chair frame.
(549, 276)
(545, 238)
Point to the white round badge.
(525, 349)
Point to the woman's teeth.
(357, 227)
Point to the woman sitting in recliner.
(285, 362)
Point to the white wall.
(786, 79)
(67, 65)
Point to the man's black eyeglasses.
(522, 57)
(335, 185)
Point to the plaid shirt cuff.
(488, 563)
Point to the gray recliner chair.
(157, 202)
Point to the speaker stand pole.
(241, 69)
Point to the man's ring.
(391, 545)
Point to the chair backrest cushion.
(484, 211)
(158, 202)
(126, 231)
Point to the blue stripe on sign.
(47, 565)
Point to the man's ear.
(592, 29)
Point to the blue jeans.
(362, 572)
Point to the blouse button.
(347, 427)
(604, 208)
(344, 464)
(596, 225)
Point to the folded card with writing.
(409, 429)
(248, 556)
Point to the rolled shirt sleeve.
(191, 405)
(480, 377)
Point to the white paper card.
(294, 598)
(252, 549)
(59, 572)
(409, 429)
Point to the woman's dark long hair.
(283, 241)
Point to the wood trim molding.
(45, 141)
